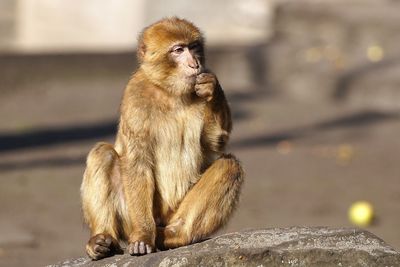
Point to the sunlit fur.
(166, 181)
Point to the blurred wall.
(225, 22)
(101, 25)
(8, 19)
(59, 25)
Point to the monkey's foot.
(101, 246)
(171, 236)
(139, 248)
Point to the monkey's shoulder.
(140, 93)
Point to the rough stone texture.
(320, 51)
(296, 246)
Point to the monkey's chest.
(178, 155)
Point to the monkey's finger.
(108, 241)
(129, 248)
(92, 254)
(134, 248)
(149, 249)
(99, 239)
(203, 90)
(102, 243)
(142, 248)
(203, 81)
(101, 249)
(205, 78)
(204, 93)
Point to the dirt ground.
(305, 163)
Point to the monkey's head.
(171, 54)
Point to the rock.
(296, 246)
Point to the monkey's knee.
(102, 154)
(229, 169)
(102, 165)
(219, 188)
(172, 236)
(227, 177)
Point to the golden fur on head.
(157, 38)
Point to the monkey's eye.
(177, 49)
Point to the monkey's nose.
(193, 64)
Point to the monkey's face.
(187, 59)
(171, 54)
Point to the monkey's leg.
(207, 206)
(139, 196)
(101, 196)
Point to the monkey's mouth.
(192, 73)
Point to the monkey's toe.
(139, 248)
(101, 246)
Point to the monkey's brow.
(194, 44)
(183, 44)
(179, 44)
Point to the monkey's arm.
(217, 119)
(138, 180)
(220, 108)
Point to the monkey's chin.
(190, 79)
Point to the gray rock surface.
(296, 246)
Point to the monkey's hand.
(205, 85)
(138, 248)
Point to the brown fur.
(166, 181)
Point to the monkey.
(167, 180)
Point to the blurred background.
(314, 87)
